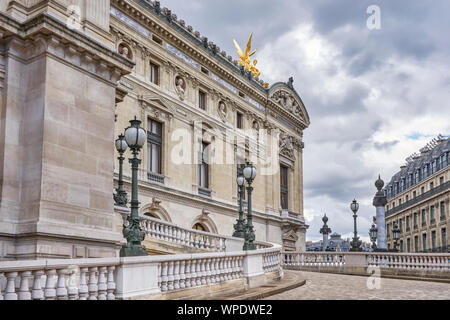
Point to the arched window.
(200, 227)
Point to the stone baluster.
(208, 271)
(170, 277)
(229, 270)
(61, 290)
(178, 240)
(202, 272)
(166, 233)
(102, 283)
(222, 269)
(83, 291)
(24, 290)
(188, 274)
(72, 290)
(10, 291)
(235, 274)
(176, 275)
(213, 270)
(217, 269)
(182, 274)
(1, 289)
(111, 285)
(164, 269)
(159, 275)
(198, 279)
(93, 286)
(201, 244)
(193, 273)
(50, 291)
(37, 292)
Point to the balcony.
(424, 196)
(155, 177)
(204, 192)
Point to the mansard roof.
(428, 154)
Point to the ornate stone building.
(72, 75)
(418, 200)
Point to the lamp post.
(120, 197)
(135, 137)
(373, 233)
(396, 233)
(356, 243)
(249, 175)
(239, 228)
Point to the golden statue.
(245, 57)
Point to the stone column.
(57, 138)
(379, 203)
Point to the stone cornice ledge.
(70, 45)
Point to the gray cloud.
(367, 92)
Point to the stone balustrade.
(166, 231)
(127, 278)
(405, 264)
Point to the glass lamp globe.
(354, 206)
(373, 232)
(250, 172)
(241, 181)
(121, 144)
(135, 136)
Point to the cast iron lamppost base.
(356, 243)
(239, 228)
(135, 137)
(121, 198)
(249, 175)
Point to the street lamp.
(249, 175)
(373, 233)
(239, 228)
(356, 243)
(135, 137)
(120, 197)
(396, 233)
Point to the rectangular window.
(414, 194)
(284, 172)
(399, 202)
(202, 100)
(408, 223)
(442, 210)
(416, 220)
(239, 119)
(203, 168)
(441, 181)
(432, 214)
(431, 185)
(154, 73)
(154, 143)
(416, 244)
(408, 245)
(424, 242)
(401, 225)
(422, 190)
(407, 198)
(444, 238)
(424, 218)
(401, 246)
(433, 240)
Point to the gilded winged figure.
(245, 57)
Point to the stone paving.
(324, 286)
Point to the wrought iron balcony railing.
(424, 196)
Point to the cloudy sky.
(374, 96)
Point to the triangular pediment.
(157, 102)
(285, 96)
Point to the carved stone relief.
(180, 87)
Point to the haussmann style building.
(72, 76)
(418, 200)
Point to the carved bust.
(125, 51)
(223, 110)
(180, 87)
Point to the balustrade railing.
(166, 231)
(405, 261)
(106, 279)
